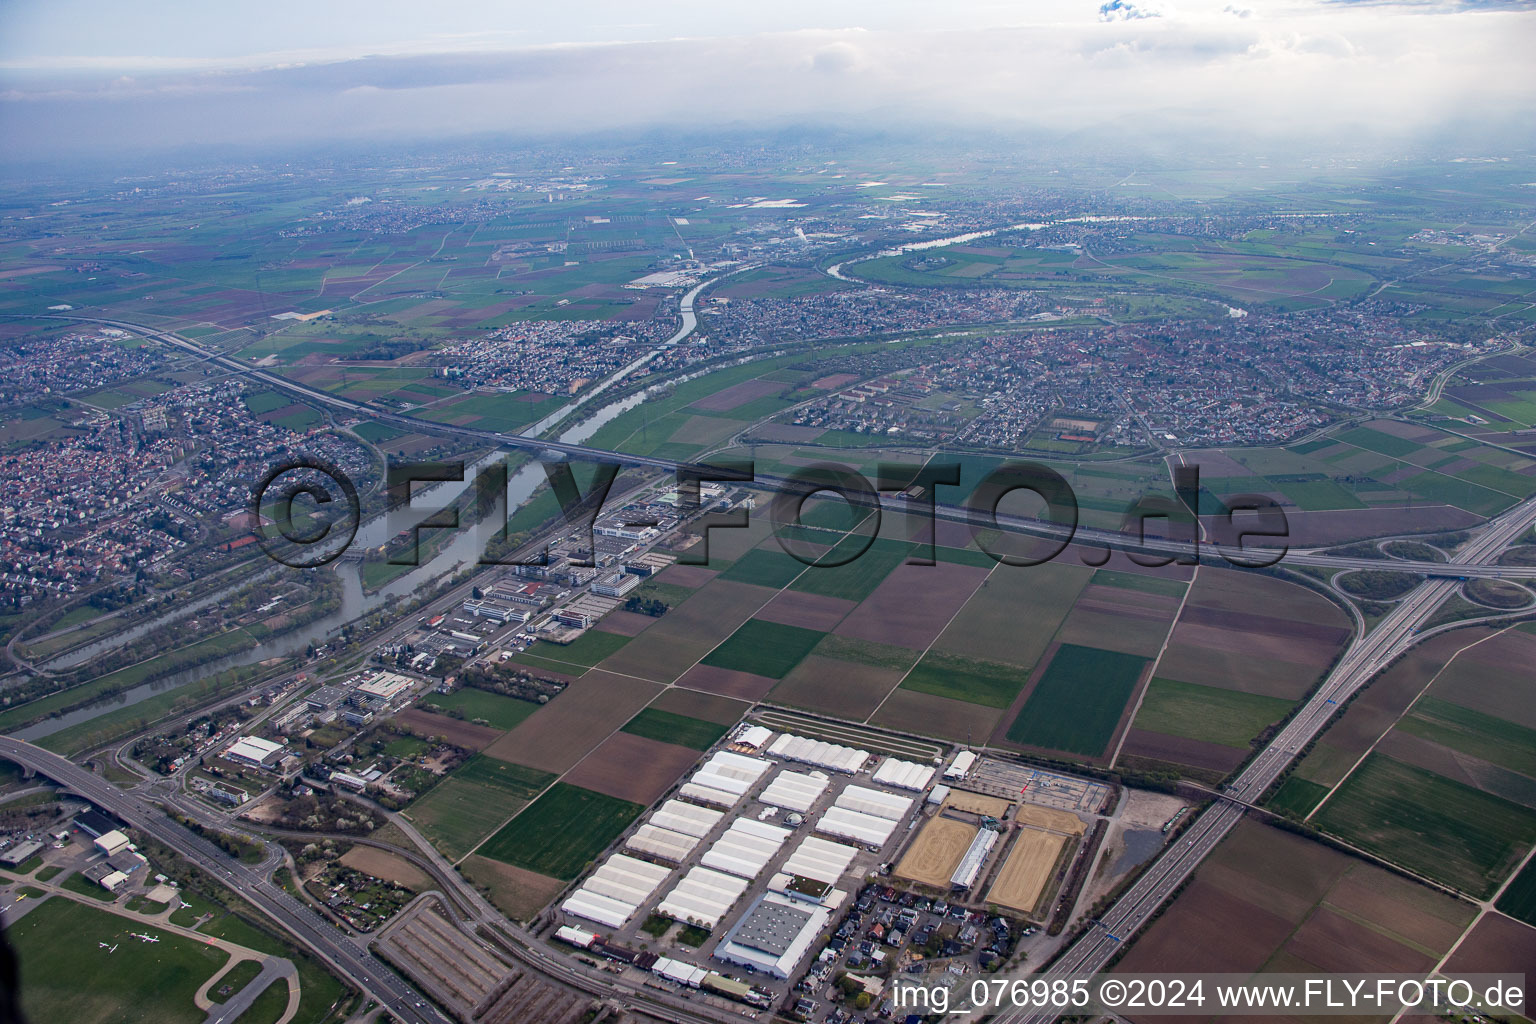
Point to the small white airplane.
(145, 938)
(110, 949)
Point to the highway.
(1087, 536)
(351, 961)
(1367, 656)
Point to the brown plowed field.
(561, 733)
(632, 767)
(927, 715)
(913, 604)
(1178, 750)
(460, 734)
(691, 576)
(625, 623)
(808, 611)
(839, 688)
(708, 706)
(518, 893)
(728, 682)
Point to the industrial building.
(731, 774)
(686, 818)
(749, 739)
(661, 843)
(20, 853)
(869, 829)
(774, 935)
(94, 823)
(874, 801)
(613, 893)
(703, 897)
(386, 685)
(969, 868)
(745, 848)
(615, 584)
(819, 753)
(795, 791)
(111, 842)
(904, 774)
(961, 766)
(255, 752)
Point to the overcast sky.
(88, 74)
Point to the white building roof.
(605, 910)
(253, 747)
(689, 819)
(819, 752)
(737, 766)
(904, 774)
(961, 766)
(754, 736)
(820, 860)
(612, 894)
(575, 936)
(970, 865)
(774, 935)
(869, 829)
(662, 843)
(703, 897)
(711, 795)
(874, 801)
(746, 848)
(795, 791)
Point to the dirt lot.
(460, 734)
(632, 767)
(656, 656)
(1050, 819)
(517, 893)
(839, 688)
(558, 735)
(808, 611)
(383, 864)
(934, 855)
(1497, 945)
(976, 803)
(913, 604)
(727, 682)
(1013, 616)
(1027, 871)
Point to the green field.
(57, 944)
(474, 801)
(495, 710)
(1430, 824)
(765, 568)
(866, 652)
(239, 976)
(1473, 732)
(987, 683)
(1297, 796)
(585, 651)
(855, 580)
(764, 648)
(667, 727)
(561, 832)
(1519, 900)
(1138, 582)
(1078, 701)
(1215, 715)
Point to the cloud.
(1125, 10)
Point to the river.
(465, 548)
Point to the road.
(351, 961)
(1088, 536)
(1367, 656)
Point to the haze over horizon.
(89, 78)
